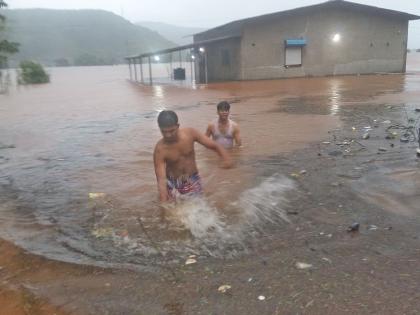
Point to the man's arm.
(212, 145)
(237, 135)
(160, 171)
(209, 131)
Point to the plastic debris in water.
(354, 227)
(190, 261)
(261, 297)
(224, 288)
(102, 232)
(366, 136)
(327, 260)
(302, 265)
(93, 195)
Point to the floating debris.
(404, 139)
(103, 232)
(354, 227)
(335, 153)
(302, 265)
(372, 227)
(366, 136)
(224, 288)
(93, 195)
(191, 260)
(261, 297)
(327, 260)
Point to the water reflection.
(335, 96)
(158, 91)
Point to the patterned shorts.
(185, 186)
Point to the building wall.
(369, 44)
(223, 61)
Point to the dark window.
(225, 57)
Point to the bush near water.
(31, 72)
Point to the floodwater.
(92, 131)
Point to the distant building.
(332, 38)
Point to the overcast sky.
(206, 13)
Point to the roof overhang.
(183, 47)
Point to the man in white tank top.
(224, 130)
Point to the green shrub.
(32, 73)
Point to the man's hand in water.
(212, 145)
(227, 163)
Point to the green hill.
(78, 37)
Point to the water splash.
(195, 226)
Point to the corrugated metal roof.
(235, 27)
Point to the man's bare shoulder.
(234, 124)
(159, 146)
(188, 131)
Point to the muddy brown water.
(92, 131)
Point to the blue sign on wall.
(295, 42)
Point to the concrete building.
(331, 38)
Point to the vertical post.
(205, 65)
(135, 69)
(180, 59)
(191, 65)
(150, 71)
(141, 69)
(129, 68)
(405, 43)
(170, 66)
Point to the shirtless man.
(174, 157)
(224, 130)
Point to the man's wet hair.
(224, 106)
(167, 118)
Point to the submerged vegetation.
(32, 73)
(6, 48)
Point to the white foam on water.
(199, 217)
(266, 202)
(208, 227)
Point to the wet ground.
(305, 175)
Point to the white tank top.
(224, 139)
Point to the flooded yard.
(79, 215)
